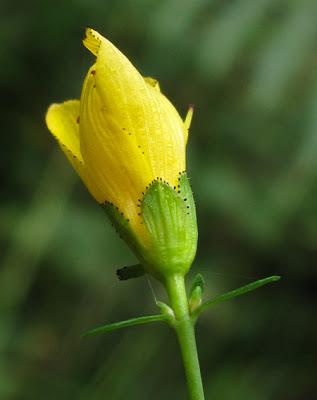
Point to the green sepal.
(170, 218)
(124, 324)
(130, 272)
(234, 293)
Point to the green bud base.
(169, 218)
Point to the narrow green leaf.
(124, 324)
(235, 293)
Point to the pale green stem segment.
(184, 327)
(234, 293)
(124, 324)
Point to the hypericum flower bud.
(127, 142)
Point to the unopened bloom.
(127, 142)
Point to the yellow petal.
(63, 122)
(92, 41)
(129, 132)
(112, 155)
(139, 108)
(188, 120)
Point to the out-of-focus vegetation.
(250, 68)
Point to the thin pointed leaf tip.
(127, 142)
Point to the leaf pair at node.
(196, 306)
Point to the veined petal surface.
(129, 131)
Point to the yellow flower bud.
(122, 136)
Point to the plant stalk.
(184, 328)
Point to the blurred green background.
(249, 66)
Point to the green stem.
(184, 327)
